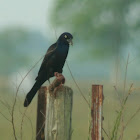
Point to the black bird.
(53, 61)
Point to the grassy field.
(80, 116)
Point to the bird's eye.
(65, 36)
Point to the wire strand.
(77, 84)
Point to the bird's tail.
(32, 93)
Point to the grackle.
(53, 61)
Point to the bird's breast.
(62, 52)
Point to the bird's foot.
(61, 80)
(60, 77)
(56, 74)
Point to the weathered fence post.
(96, 112)
(41, 114)
(59, 112)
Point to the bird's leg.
(61, 78)
(56, 74)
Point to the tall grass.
(119, 121)
(120, 124)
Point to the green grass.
(80, 115)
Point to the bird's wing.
(48, 55)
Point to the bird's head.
(66, 38)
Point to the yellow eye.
(65, 36)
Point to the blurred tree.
(11, 55)
(106, 26)
(18, 47)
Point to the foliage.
(11, 52)
(18, 47)
(107, 26)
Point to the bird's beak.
(70, 42)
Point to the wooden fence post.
(96, 112)
(59, 112)
(41, 114)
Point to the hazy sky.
(31, 14)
